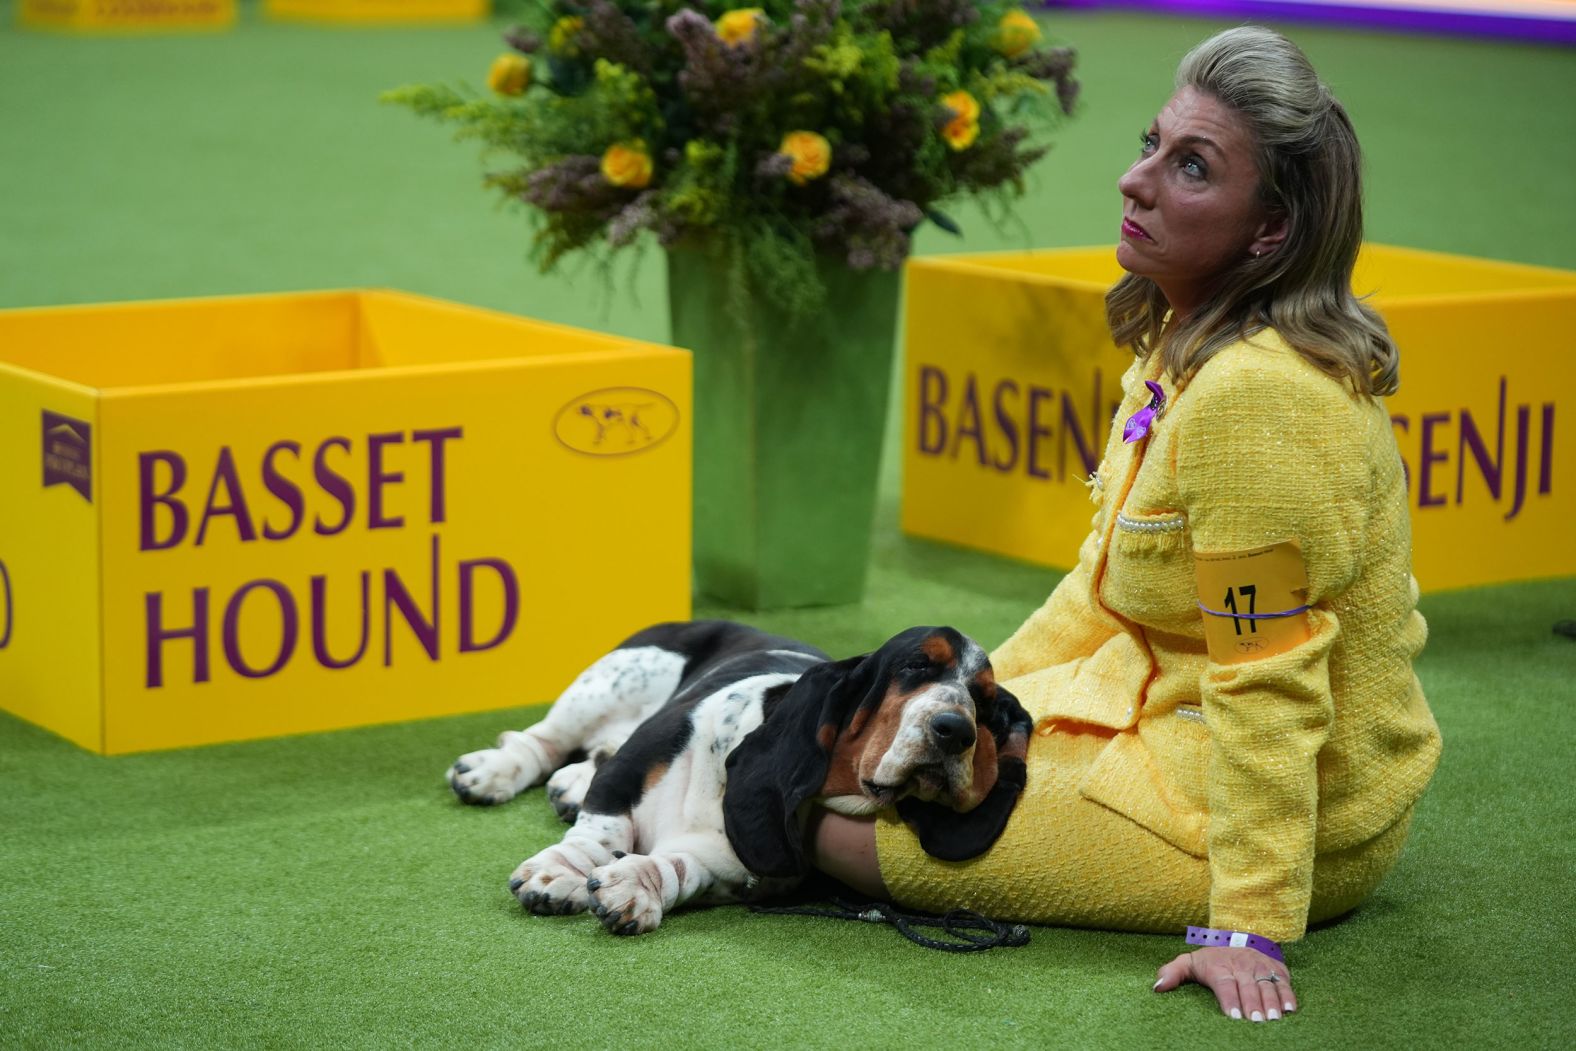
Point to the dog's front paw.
(566, 789)
(550, 886)
(488, 777)
(627, 895)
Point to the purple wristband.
(1235, 939)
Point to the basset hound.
(703, 744)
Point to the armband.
(1235, 940)
(1254, 602)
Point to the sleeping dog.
(704, 742)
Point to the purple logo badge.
(68, 453)
(616, 421)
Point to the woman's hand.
(1247, 983)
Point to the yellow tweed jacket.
(1257, 766)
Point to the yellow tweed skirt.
(1066, 861)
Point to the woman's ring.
(1273, 979)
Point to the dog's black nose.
(953, 732)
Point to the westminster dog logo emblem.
(616, 421)
(68, 453)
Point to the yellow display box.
(97, 15)
(1012, 383)
(378, 11)
(239, 517)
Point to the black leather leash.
(971, 931)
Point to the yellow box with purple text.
(378, 11)
(1012, 383)
(238, 517)
(94, 16)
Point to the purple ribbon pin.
(1139, 423)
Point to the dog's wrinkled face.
(921, 731)
(919, 725)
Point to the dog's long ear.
(952, 836)
(783, 763)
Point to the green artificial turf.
(327, 891)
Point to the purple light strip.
(1404, 19)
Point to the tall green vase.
(789, 419)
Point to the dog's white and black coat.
(702, 742)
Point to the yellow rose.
(740, 26)
(961, 131)
(627, 164)
(811, 155)
(963, 104)
(510, 73)
(561, 38)
(960, 134)
(1016, 33)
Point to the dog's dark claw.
(461, 768)
(515, 882)
(593, 883)
(629, 928)
(618, 853)
(466, 797)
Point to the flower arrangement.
(777, 132)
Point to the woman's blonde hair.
(1310, 171)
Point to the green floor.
(327, 891)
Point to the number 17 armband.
(1254, 602)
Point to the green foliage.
(698, 195)
(672, 119)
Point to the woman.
(1174, 781)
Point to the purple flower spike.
(1138, 424)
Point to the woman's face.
(1191, 205)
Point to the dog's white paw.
(566, 789)
(627, 894)
(549, 886)
(489, 776)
